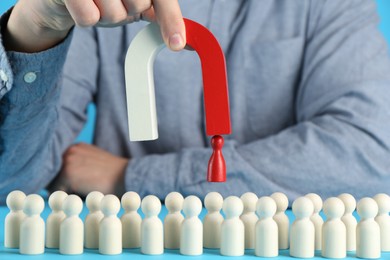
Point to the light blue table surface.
(6, 253)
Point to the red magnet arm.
(216, 96)
(215, 87)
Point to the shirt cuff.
(30, 76)
(152, 174)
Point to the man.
(308, 83)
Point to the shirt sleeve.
(29, 94)
(341, 141)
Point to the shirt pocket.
(272, 76)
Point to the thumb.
(170, 19)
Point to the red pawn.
(216, 171)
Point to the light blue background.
(87, 133)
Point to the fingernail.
(176, 42)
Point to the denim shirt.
(309, 86)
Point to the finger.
(135, 7)
(170, 19)
(111, 11)
(71, 162)
(61, 6)
(84, 148)
(149, 15)
(73, 149)
(91, 152)
(81, 151)
(84, 13)
(77, 147)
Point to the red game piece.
(216, 171)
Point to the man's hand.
(36, 25)
(88, 168)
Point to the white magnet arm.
(141, 101)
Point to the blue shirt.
(309, 85)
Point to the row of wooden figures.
(267, 231)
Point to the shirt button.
(30, 77)
(3, 76)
